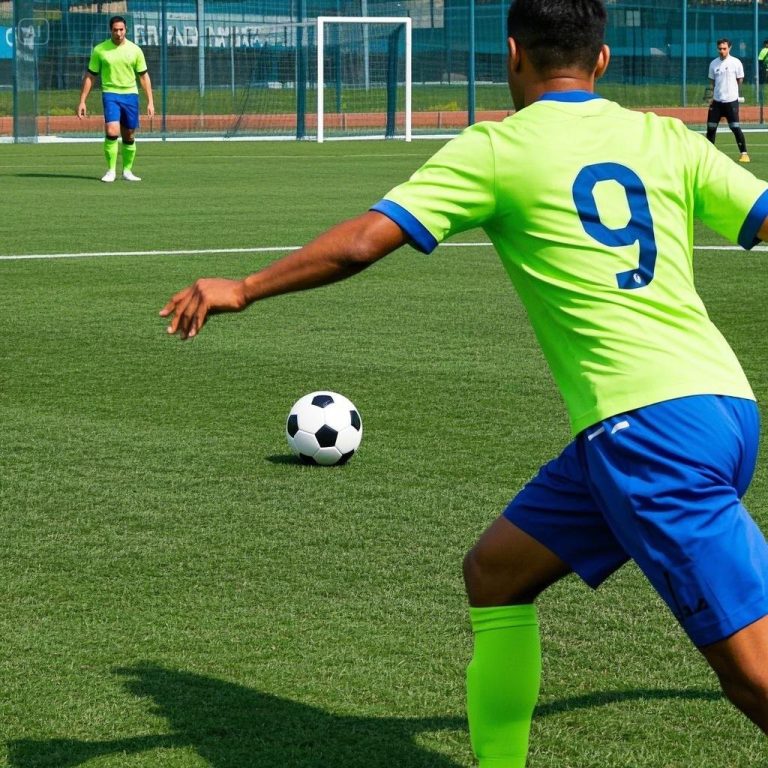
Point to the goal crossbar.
(321, 22)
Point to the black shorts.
(723, 109)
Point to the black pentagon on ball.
(304, 459)
(322, 400)
(292, 427)
(326, 436)
(345, 457)
(354, 418)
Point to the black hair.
(558, 33)
(116, 19)
(724, 40)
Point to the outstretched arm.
(340, 252)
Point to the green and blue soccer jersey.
(117, 65)
(591, 209)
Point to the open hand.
(191, 307)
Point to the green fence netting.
(248, 68)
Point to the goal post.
(383, 47)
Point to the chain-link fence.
(249, 67)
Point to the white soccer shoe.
(130, 176)
(109, 176)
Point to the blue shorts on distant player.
(661, 485)
(122, 108)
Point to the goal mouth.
(365, 64)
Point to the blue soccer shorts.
(661, 485)
(121, 108)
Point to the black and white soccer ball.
(324, 428)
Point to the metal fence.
(248, 67)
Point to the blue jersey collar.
(568, 96)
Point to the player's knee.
(487, 584)
(472, 573)
(478, 577)
(757, 684)
(747, 688)
(750, 695)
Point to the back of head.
(558, 34)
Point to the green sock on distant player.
(110, 153)
(503, 683)
(129, 153)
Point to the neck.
(557, 82)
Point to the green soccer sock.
(110, 152)
(503, 683)
(129, 153)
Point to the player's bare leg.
(504, 572)
(741, 664)
(508, 567)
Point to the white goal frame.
(321, 22)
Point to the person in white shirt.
(726, 74)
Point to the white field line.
(271, 249)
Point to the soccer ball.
(324, 428)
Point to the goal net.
(363, 77)
(272, 86)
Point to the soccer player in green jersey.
(762, 59)
(596, 233)
(118, 62)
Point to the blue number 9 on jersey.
(639, 228)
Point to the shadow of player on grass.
(51, 175)
(232, 726)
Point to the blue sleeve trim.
(748, 235)
(417, 233)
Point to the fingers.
(189, 310)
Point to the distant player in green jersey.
(118, 62)
(762, 60)
(591, 209)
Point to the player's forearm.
(86, 88)
(341, 252)
(146, 84)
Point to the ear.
(602, 61)
(513, 51)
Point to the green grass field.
(176, 591)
